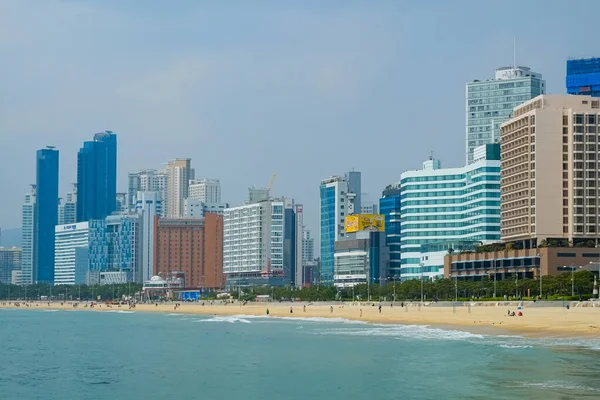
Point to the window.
(578, 119)
(565, 139)
(565, 120)
(591, 119)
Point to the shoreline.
(536, 322)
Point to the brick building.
(191, 246)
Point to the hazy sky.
(249, 88)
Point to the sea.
(56, 355)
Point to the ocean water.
(133, 355)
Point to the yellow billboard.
(365, 222)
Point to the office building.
(193, 209)
(260, 243)
(490, 102)
(441, 208)
(67, 208)
(148, 205)
(72, 253)
(148, 180)
(361, 259)
(45, 215)
(179, 173)
(28, 237)
(583, 76)
(205, 190)
(192, 248)
(550, 171)
(308, 245)
(124, 237)
(10, 261)
(122, 204)
(97, 177)
(337, 201)
(369, 208)
(389, 205)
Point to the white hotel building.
(71, 254)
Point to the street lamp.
(495, 273)
(540, 259)
(421, 265)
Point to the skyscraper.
(67, 208)
(490, 102)
(46, 214)
(28, 237)
(583, 76)
(550, 172)
(205, 190)
(449, 208)
(97, 177)
(148, 180)
(337, 201)
(389, 206)
(148, 205)
(179, 172)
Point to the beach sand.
(535, 322)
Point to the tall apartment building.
(179, 173)
(191, 246)
(67, 208)
(10, 260)
(583, 76)
(308, 246)
(260, 243)
(205, 190)
(389, 206)
(450, 208)
(27, 237)
(97, 177)
(122, 204)
(148, 205)
(148, 180)
(490, 102)
(550, 170)
(45, 215)
(337, 201)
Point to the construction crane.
(272, 182)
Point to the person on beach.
(361, 312)
(267, 311)
(291, 310)
(331, 310)
(304, 308)
(380, 308)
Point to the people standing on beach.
(361, 312)
(379, 308)
(304, 308)
(331, 310)
(291, 310)
(267, 311)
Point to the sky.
(246, 89)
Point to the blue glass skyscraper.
(46, 214)
(97, 177)
(583, 76)
(389, 206)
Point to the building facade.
(10, 261)
(337, 201)
(361, 259)
(97, 177)
(205, 190)
(28, 237)
(67, 208)
(583, 76)
(389, 205)
(124, 237)
(148, 206)
(550, 171)
(490, 102)
(149, 180)
(308, 246)
(442, 206)
(45, 215)
(193, 247)
(179, 173)
(72, 253)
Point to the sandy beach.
(536, 321)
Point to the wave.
(406, 331)
(51, 310)
(121, 312)
(229, 319)
(554, 385)
(515, 346)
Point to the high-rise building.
(308, 246)
(97, 177)
(148, 205)
(260, 243)
(205, 190)
(583, 76)
(298, 235)
(337, 201)
(72, 253)
(389, 206)
(550, 171)
(361, 259)
(193, 247)
(148, 180)
(28, 237)
(122, 204)
(10, 261)
(46, 214)
(179, 172)
(450, 208)
(67, 208)
(490, 102)
(193, 209)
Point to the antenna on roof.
(431, 154)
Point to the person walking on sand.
(379, 308)
(331, 310)
(304, 308)
(267, 311)
(291, 310)
(361, 312)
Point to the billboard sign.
(365, 222)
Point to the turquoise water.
(122, 355)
